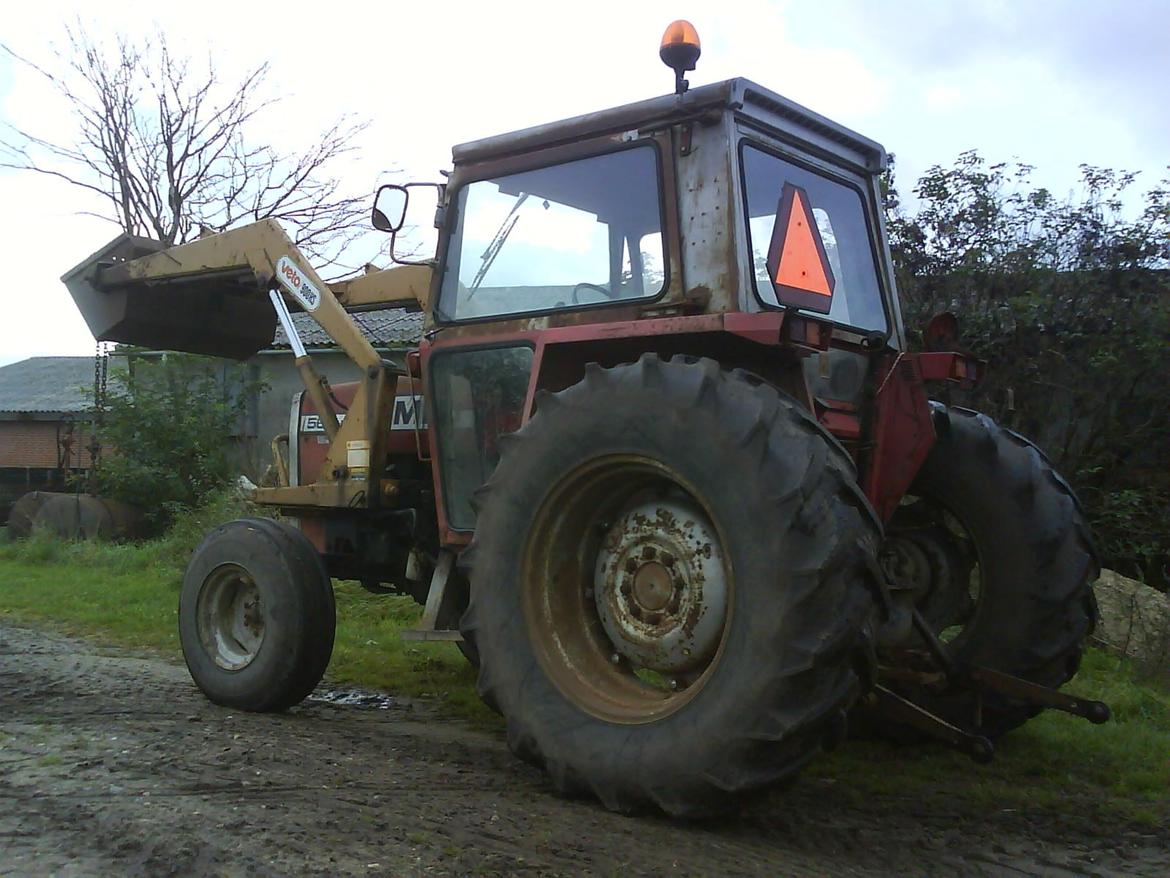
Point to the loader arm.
(215, 296)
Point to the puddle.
(355, 698)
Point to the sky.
(1053, 83)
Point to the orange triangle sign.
(797, 262)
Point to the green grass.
(128, 596)
(1057, 761)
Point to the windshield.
(586, 232)
(826, 264)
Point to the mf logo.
(404, 417)
(406, 414)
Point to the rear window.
(842, 235)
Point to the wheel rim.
(931, 551)
(230, 617)
(626, 589)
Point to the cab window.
(841, 235)
(578, 234)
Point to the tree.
(1069, 300)
(171, 431)
(170, 150)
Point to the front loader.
(663, 465)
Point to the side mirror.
(390, 208)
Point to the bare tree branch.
(170, 150)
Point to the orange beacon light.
(680, 50)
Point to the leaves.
(1070, 302)
(168, 431)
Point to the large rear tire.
(256, 615)
(1008, 564)
(671, 587)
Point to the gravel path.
(112, 764)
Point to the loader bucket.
(221, 313)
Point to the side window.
(476, 397)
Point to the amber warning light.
(679, 51)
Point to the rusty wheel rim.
(230, 617)
(626, 589)
(935, 553)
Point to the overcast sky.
(1053, 83)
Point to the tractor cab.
(665, 224)
(726, 198)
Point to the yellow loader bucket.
(201, 307)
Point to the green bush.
(1070, 302)
(167, 432)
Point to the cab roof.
(747, 100)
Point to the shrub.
(1070, 302)
(168, 428)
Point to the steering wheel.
(595, 287)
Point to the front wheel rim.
(230, 617)
(626, 589)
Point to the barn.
(45, 416)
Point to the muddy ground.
(112, 764)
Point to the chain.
(101, 361)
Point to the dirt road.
(115, 765)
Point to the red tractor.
(679, 489)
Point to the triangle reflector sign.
(797, 262)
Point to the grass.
(128, 596)
(1055, 761)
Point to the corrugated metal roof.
(387, 327)
(46, 385)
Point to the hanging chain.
(101, 361)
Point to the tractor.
(663, 464)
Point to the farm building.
(45, 410)
(44, 424)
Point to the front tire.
(256, 615)
(671, 587)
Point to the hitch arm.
(987, 680)
(894, 707)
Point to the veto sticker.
(297, 283)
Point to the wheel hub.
(230, 617)
(929, 562)
(660, 586)
(653, 587)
